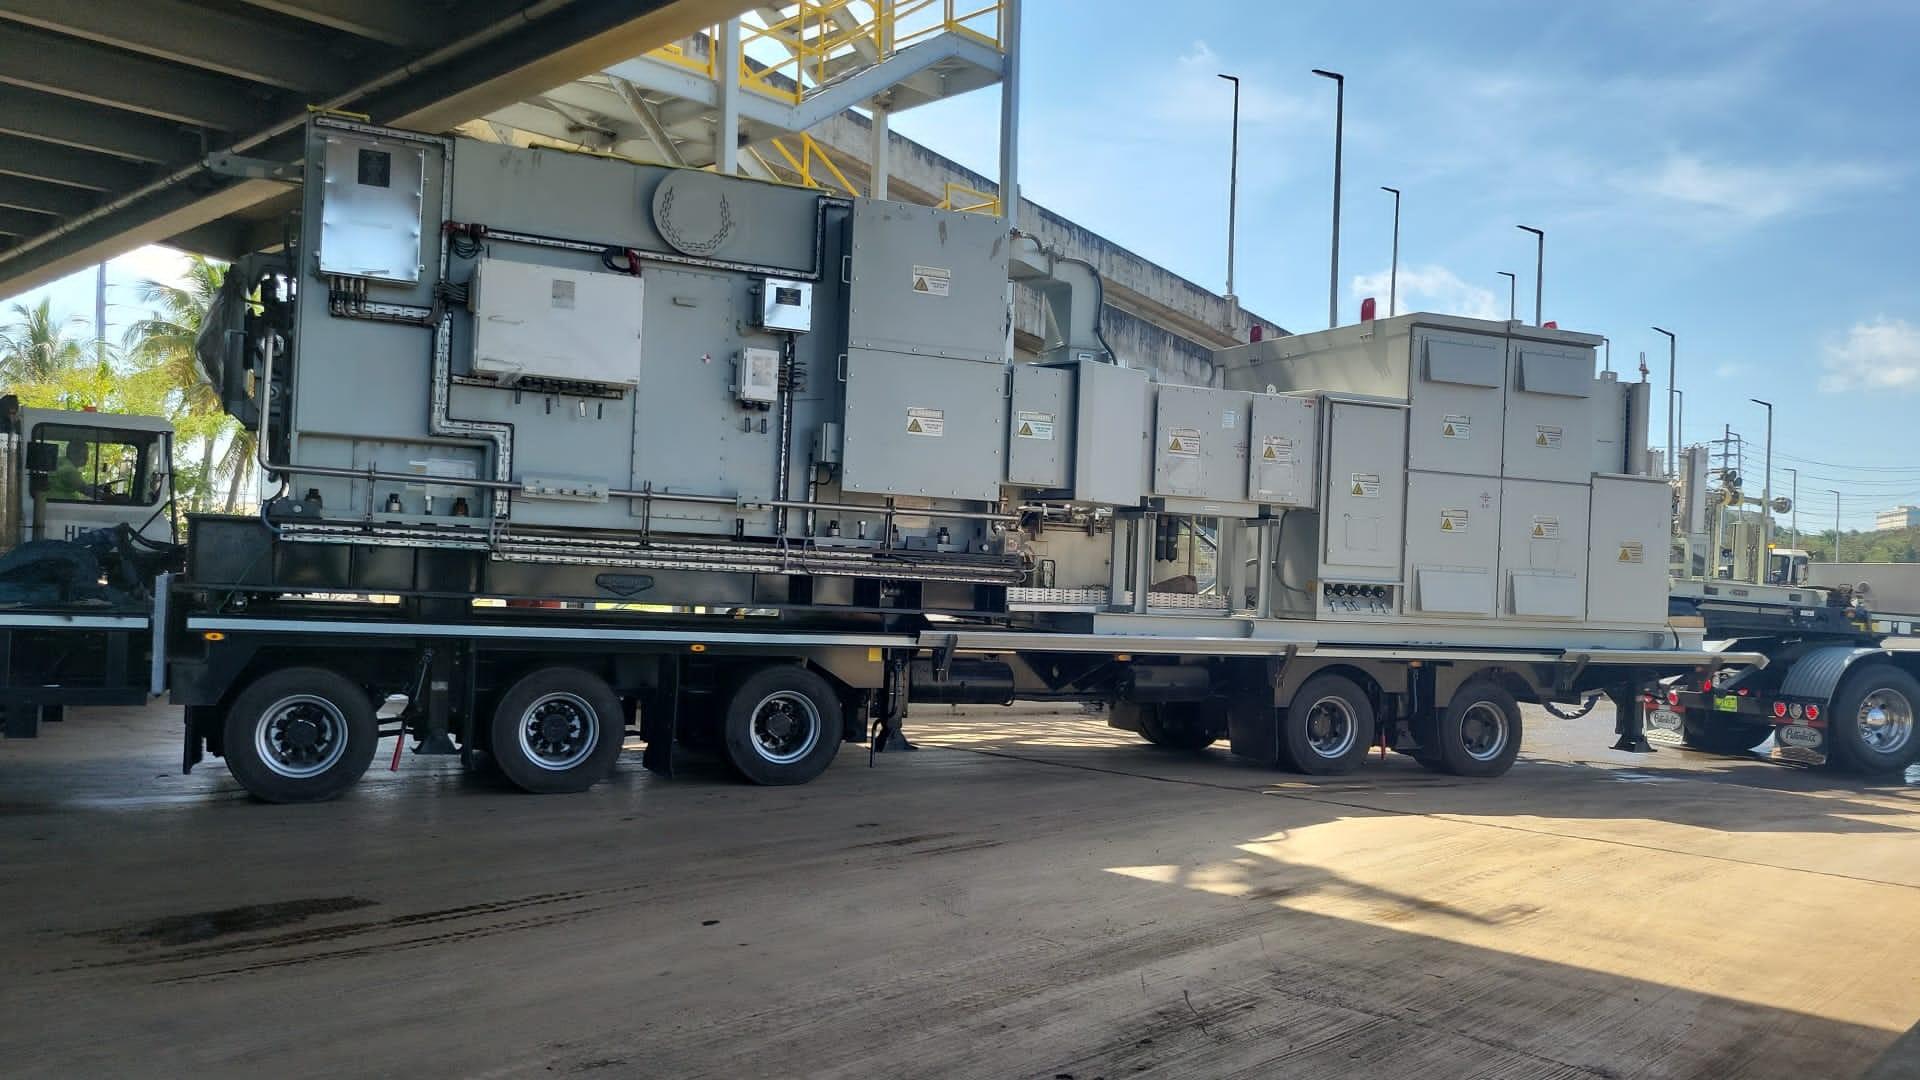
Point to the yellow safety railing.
(815, 41)
(802, 166)
(969, 200)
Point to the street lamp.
(1672, 356)
(1233, 180)
(1766, 493)
(1794, 534)
(1513, 293)
(1339, 126)
(1393, 275)
(1539, 267)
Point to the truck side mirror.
(42, 458)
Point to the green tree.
(38, 348)
(161, 347)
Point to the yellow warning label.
(919, 284)
(1358, 490)
(1445, 525)
(1034, 424)
(1456, 426)
(1183, 441)
(1453, 521)
(928, 423)
(1632, 551)
(1546, 528)
(1546, 436)
(1539, 531)
(1026, 430)
(1269, 454)
(1365, 485)
(1447, 431)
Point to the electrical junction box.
(1543, 549)
(759, 382)
(1040, 429)
(1200, 443)
(1282, 449)
(370, 221)
(1627, 561)
(786, 305)
(1112, 455)
(553, 323)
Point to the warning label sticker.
(1453, 426)
(1546, 528)
(932, 280)
(1453, 521)
(1184, 441)
(1632, 551)
(1227, 420)
(930, 423)
(1365, 485)
(1548, 437)
(1032, 424)
(1276, 450)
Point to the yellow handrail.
(969, 200)
(802, 166)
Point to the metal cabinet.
(1453, 543)
(1282, 449)
(1456, 417)
(1627, 560)
(922, 425)
(1543, 549)
(1040, 427)
(1365, 491)
(1200, 443)
(1549, 434)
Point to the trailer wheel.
(558, 729)
(1177, 725)
(1328, 727)
(782, 725)
(1872, 722)
(1478, 733)
(1722, 737)
(300, 735)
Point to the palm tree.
(36, 348)
(164, 344)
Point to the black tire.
(1478, 733)
(1178, 725)
(1871, 728)
(1328, 727)
(783, 725)
(300, 735)
(558, 729)
(1722, 736)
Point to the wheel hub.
(300, 734)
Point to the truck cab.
(67, 473)
(1787, 566)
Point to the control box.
(534, 320)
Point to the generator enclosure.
(625, 381)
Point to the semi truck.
(568, 448)
(1841, 682)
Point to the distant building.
(1900, 517)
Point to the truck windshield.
(101, 465)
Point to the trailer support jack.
(1629, 718)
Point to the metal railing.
(815, 42)
(969, 200)
(811, 152)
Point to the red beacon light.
(1254, 332)
(1550, 324)
(1366, 309)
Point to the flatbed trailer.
(1836, 688)
(289, 687)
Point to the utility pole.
(1393, 276)
(1513, 294)
(1540, 272)
(1339, 126)
(1766, 500)
(1794, 528)
(1836, 525)
(1233, 182)
(1673, 358)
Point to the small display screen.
(376, 168)
(786, 296)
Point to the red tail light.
(1673, 697)
(1779, 708)
(1813, 712)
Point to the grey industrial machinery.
(615, 380)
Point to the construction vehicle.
(568, 446)
(1837, 688)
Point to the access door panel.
(1365, 486)
(1459, 386)
(1549, 433)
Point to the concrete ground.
(1032, 895)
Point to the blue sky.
(1743, 172)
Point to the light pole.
(1339, 126)
(1836, 525)
(1233, 180)
(1539, 267)
(1393, 275)
(1673, 353)
(1794, 533)
(1513, 294)
(1766, 495)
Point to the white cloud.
(1729, 369)
(1880, 355)
(1430, 288)
(1750, 192)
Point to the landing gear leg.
(1629, 716)
(890, 712)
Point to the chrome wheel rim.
(1483, 731)
(559, 731)
(1331, 727)
(785, 727)
(1885, 721)
(300, 736)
